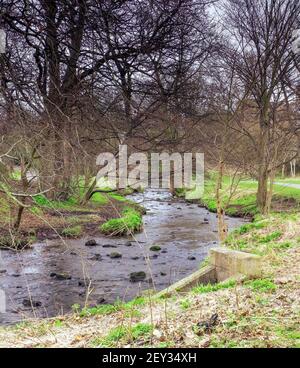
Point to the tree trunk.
(222, 227)
(19, 216)
(262, 191)
(270, 194)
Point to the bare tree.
(261, 34)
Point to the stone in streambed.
(191, 258)
(128, 244)
(115, 255)
(31, 303)
(137, 276)
(155, 248)
(96, 257)
(91, 243)
(60, 276)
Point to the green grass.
(99, 310)
(129, 223)
(185, 304)
(243, 200)
(72, 232)
(111, 308)
(261, 285)
(114, 336)
(126, 334)
(73, 203)
(201, 289)
(289, 333)
(265, 235)
(291, 180)
(275, 235)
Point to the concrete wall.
(224, 264)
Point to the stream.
(55, 275)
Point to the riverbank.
(46, 219)
(255, 313)
(56, 274)
(238, 195)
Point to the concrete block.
(229, 263)
(205, 275)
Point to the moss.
(155, 248)
(129, 223)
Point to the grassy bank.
(250, 313)
(239, 197)
(45, 218)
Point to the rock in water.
(155, 248)
(91, 243)
(31, 303)
(96, 257)
(114, 255)
(137, 276)
(191, 258)
(60, 276)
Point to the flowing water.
(184, 232)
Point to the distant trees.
(261, 52)
(78, 65)
(87, 75)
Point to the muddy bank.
(57, 274)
